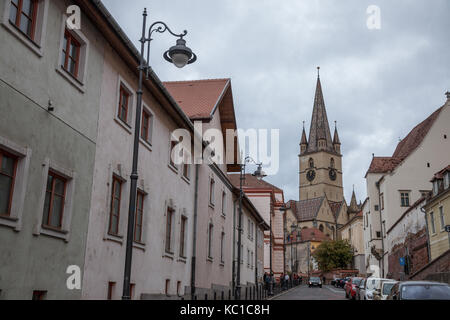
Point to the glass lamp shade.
(180, 55)
(179, 59)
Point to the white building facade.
(395, 183)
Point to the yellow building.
(438, 214)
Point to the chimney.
(448, 96)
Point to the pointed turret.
(319, 134)
(353, 208)
(336, 141)
(304, 141)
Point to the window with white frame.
(14, 166)
(183, 226)
(433, 227)
(139, 216)
(169, 230)
(224, 199)
(8, 168)
(27, 20)
(442, 218)
(55, 197)
(147, 125)
(447, 180)
(222, 244)
(115, 205)
(73, 57)
(56, 202)
(212, 185)
(210, 240)
(124, 104)
(186, 166)
(404, 198)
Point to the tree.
(333, 255)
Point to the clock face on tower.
(333, 175)
(311, 175)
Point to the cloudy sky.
(377, 84)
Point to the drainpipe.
(256, 250)
(234, 247)
(377, 184)
(194, 235)
(428, 237)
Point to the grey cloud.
(378, 84)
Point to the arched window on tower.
(311, 162)
(332, 163)
(321, 227)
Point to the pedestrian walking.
(286, 281)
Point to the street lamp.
(179, 55)
(259, 174)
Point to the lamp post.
(179, 55)
(293, 229)
(258, 174)
(296, 250)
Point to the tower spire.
(353, 208)
(320, 129)
(304, 141)
(336, 135)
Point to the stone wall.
(436, 270)
(415, 246)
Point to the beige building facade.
(438, 214)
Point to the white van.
(370, 286)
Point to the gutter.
(428, 237)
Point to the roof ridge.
(198, 80)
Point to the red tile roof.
(383, 164)
(440, 174)
(313, 234)
(415, 137)
(251, 182)
(405, 147)
(197, 98)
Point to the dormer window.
(435, 187)
(447, 180)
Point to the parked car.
(350, 287)
(341, 282)
(420, 290)
(361, 288)
(386, 287)
(336, 282)
(373, 284)
(315, 282)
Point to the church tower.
(320, 157)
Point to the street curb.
(283, 293)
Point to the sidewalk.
(283, 293)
